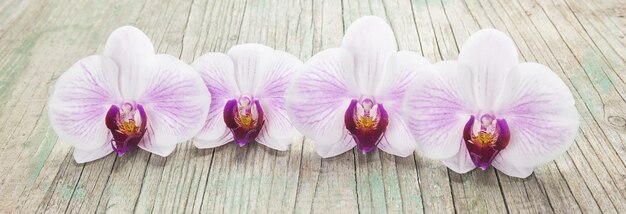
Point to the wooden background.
(582, 41)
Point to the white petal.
(277, 125)
(371, 41)
(204, 143)
(175, 99)
(461, 162)
(402, 69)
(280, 144)
(274, 74)
(155, 143)
(83, 156)
(247, 59)
(81, 99)
(397, 139)
(218, 73)
(488, 55)
(436, 108)
(272, 79)
(540, 112)
(319, 95)
(511, 170)
(344, 144)
(130, 49)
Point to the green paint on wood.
(46, 138)
(591, 65)
(79, 192)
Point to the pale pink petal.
(130, 48)
(371, 41)
(461, 162)
(510, 169)
(397, 139)
(318, 98)
(402, 69)
(344, 144)
(436, 108)
(81, 99)
(277, 125)
(175, 99)
(217, 72)
(280, 144)
(247, 59)
(83, 156)
(487, 55)
(157, 143)
(204, 143)
(540, 112)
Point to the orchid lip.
(367, 122)
(244, 117)
(484, 142)
(127, 125)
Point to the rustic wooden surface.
(582, 41)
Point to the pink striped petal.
(84, 156)
(436, 108)
(402, 69)
(540, 112)
(318, 98)
(175, 99)
(81, 99)
(510, 169)
(371, 41)
(131, 50)
(218, 73)
(461, 162)
(247, 60)
(487, 55)
(276, 70)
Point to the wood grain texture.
(583, 42)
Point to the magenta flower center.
(485, 138)
(127, 125)
(244, 118)
(367, 122)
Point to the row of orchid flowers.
(485, 109)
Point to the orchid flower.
(248, 103)
(127, 98)
(351, 96)
(487, 109)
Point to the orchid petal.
(277, 126)
(511, 170)
(131, 49)
(318, 98)
(436, 108)
(540, 112)
(402, 69)
(272, 79)
(461, 162)
(487, 55)
(175, 99)
(371, 41)
(156, 143)
(247, 59)
(218, 73)
(81, 99)
(397, 139)
(326, 150)
(83, 156)
(204, 143)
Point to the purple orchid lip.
(127, 125)
(484, 143)
(244, 118)
(366, 128)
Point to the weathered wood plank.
(582, 41)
